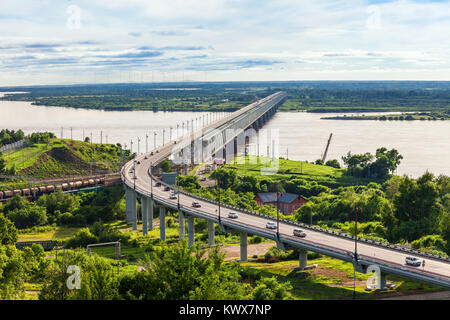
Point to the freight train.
(34, 192)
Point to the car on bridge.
(158, 184)
(195, 204)
(166, 188)
(413, 261)
(233, 215)
(172, 196)
(299, 233)
(271, 225)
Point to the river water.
(425, 145)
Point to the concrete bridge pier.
(303, 259)
(190, 231)
(244, 243)
(150, 204)
(181, 224)
(133, 207)
(211, 233)
(127, 205)
(162, 222)
(145, 203)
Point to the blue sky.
(102, 41)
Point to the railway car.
(65, 186)
(50, 188)
(26, 192)
(17, 192)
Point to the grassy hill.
(266, 169)
(63, 157)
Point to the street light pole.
(151, 180)
(278, 215)
(356, 251)
(218, 189)
(146, 143)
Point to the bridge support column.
(162, 222)
(181, 225)
(211, 232)
(145, 202)
(190, 231)
(303, 258)
(133, 209)
(382, 281)
(127, 205)
(235, 148)
(150, 213)
(244, 246)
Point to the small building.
(170, 177)
(288, 202)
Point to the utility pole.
(71, 137)
(139, 146)
(101, 137)
(146, 143)
(278, 215)
(154, 139)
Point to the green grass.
(265, 168)
(317, 284)
(61, 157)
(48, 233)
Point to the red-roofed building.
(288, 202)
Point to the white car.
(173, 196)
(413, 261)
(233, 215)
(271, 225)
(299, 233)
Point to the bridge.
(222, 139)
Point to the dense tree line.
(65, 209)
(315, 96)
(10, 136)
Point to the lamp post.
(278, 215)
(356, 250)
(139, 146)
(218, 189)
(151, 180)
(146, 143)
(164, 132)
(154, 140)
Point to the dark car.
(158, 184)
(166, 188)
(195, 204)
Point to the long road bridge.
(222, 138)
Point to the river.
(302, 136)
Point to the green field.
(264, 168)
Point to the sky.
(110, 41)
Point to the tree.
(12, 272)
(179, 272)
(333, 163)
(271, 289)
(8, 232)
(2, 164)
(166, 166)
(30, 216)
